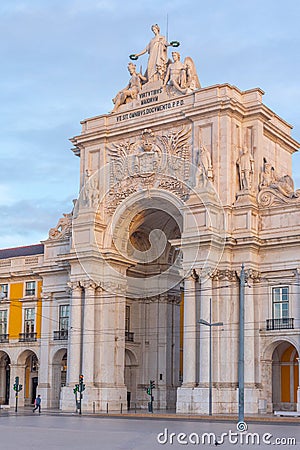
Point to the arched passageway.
(4, 378)
(28, 364)
(59, 374)
(285, 377)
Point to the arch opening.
(285, 377)
(4, 378)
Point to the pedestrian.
(37, 404)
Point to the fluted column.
(205, 295)
(74, 344)
(189, 332)
(46, 338)
(88, 334)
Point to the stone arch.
(59, 372)
(27, 368)
(130, 377)
(135, 203)
(142, 230)
(285, 376)
(5, 377)
(273, 343)
(279, 376)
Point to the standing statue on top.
(158, 58)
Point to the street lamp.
(241, 365)
(210, 325)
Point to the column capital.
(90, 284)
(73, 285)
(46, 295)
(192, 276)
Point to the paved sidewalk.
(157, 415)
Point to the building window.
(3, 322)
(30, 288)
(64, 318)
(280, 298)
(3, 291)
(129, 336)
(29, 321)
(127, 319)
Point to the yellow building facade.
(20, 321)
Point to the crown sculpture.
(162, 74)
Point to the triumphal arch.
(180, 185)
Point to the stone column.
(44, 363)
(206, 294)
(17, 370)
(88, 335)
(120, 339)
(74, 344)
(110, 348)
(298, 389)
(296, 304)
(189, 333)
(266, 400)
(250, 335)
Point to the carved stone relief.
(91, 191)
(63, 227)
(245, 163)
(151, 161)
(275, 189)
(204, 167)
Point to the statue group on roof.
(181, 76)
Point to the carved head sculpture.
(147, 140)
(176, 56)
(131, 68)
(155, 28)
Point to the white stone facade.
(178, 189)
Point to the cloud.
(29, 221)
(64, 61)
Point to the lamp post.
(241, 345)
(210, 325)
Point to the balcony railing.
(285, 323)
(27, 337)
(60, 335)
(3, 338)
(129, 336)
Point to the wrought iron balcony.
(3, 338)
(129, 336)
(27, 337)
(60, 335)
(285, 323)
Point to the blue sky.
(64, 60)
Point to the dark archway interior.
(139, 231)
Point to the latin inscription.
(150, 110)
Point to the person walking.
(37, 404)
